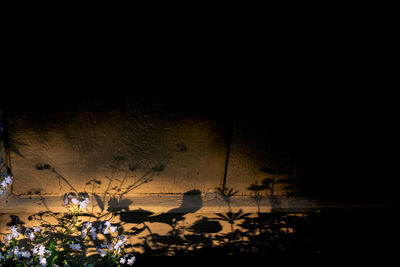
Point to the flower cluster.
(15, 252)
(76, 202)
(69, 243)
(29, 233)
(5, 182)
(75, 246)
(37, 256)
(107, 228)
(87, 226)
(127, 260)
(114, 249)
(42, 253)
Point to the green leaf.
(52, 245)
(52, 260)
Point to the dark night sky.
(329, 70)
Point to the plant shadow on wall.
(61, 229)
(231, 234)
(116, 187)
(222, 234)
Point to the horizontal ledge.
(160, 203)
(205, 203)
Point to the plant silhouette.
(222, 234)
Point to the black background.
(328, 67)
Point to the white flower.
(118, 245)
(16, 251)
(123, 238)
(103, 253)
(122, 260)
(75, 246)
(5, 183)
(105, 231)
(14, 231)
(42, 250)
(43, 261)
(84, 231)
(8, 238)
(87, 225)
(37, 229)
(8, 180)
(131, 260)
(84, 203)
(113, 229)
(26, 254)
(31, 236)
(93, 233)
(108, 228)
(39, 251)
(74, 201)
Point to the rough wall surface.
(126, 147)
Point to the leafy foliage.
(64, 244)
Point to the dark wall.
(345, 146)
(322, 79)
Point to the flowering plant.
(5, 182)
(66, 244)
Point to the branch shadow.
(221, 235)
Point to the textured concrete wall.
(151, 145)
(152, 167)
(131, 146)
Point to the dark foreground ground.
(334, 237)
